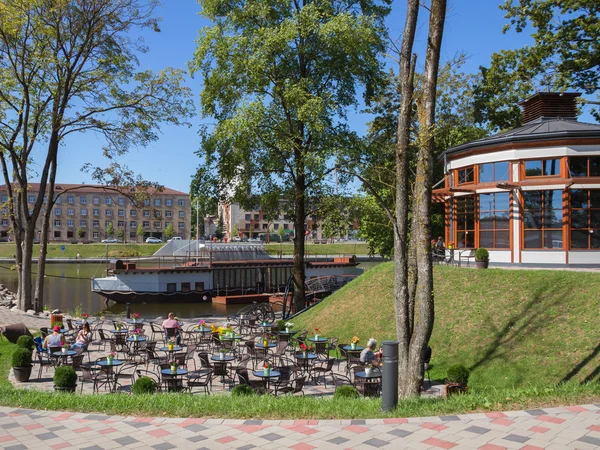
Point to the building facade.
(529, 195)
(84, 213)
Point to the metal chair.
(126, 371)
(202, 378)
(258, 386)
(470, 255)
(296, 386)
(319, 368)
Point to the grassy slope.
(513, 328)
(7, 250)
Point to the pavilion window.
(494, 220)
(543, 219)
(584, 166)
(466, 175)
(464, 221)
(494, 172)
(542, 168)
(585, 219)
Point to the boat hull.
(138, 298)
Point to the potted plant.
(222, 353)
(65, 379)
(111, 356)
(456, 379)
(25, 342)
(368, 369)
(304, 349)
(316, 334)
(355, 340)
(267, 368)
(289, 326)
(64, 349)
(482, 258)
(21, 364)
(174, 366)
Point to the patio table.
(226, 358)
(173, 380)
(305, 360)
(320, 339)
(110, 374)
(348, 348)
(262, 374)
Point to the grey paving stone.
(516, 438)
(46, 436)
(338, 440)
(163, 446)
(477, 430)
(138, 424)
(56, 427)
(26, 411)
(253, 422)
(400, 433)
(93, 447)
(536, 412)
(196, 428)
(126, 440)
(16, 447)
(96, 417)
(589, 440)
(8, 426)
(197, 438)
(449, 418)
(271, 437)
(374, 442)
(358, 422)
(246, 447)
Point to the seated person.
(83, 338)
(56, 339)
(172, 323)
(440, 244)
(368, 355)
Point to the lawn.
(512, 328)
(7, 250)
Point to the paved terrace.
(575, 427)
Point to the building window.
(181, 202)
(168, 202)
(466, 175)
(83, 200)
(181, 213)
(543, 218)
(57, 199)
(199, 286)
(585, 219)
(69, 233)
(83, 212)
(96, 200)
(168, 213)
(146, 213)
(181, 225)
(108, 213)
(57, 223)
(121, 201)
(121, 213)
(70, 212)
(167, 224)
(83, 223)
(583, 166)
(248, 216)
(132, 235)
(120, 224)
(464, 221)
(57, 211)
(96, 223)
(57, 234)
(4, 198)
(247, 226)
(185, 287)
(70, 199)
(157, 202)
(108, 200)
(132, 213)
(542, 168)
(70, 223)
(265, 226)
(286, 226)
(171, 287)
(4, 222)
(107, 223)
(31, 198)
(276, 226)
(256, 216)
(494, 220)
(146, 224)
(256, 226)
(95, 235)
(146, 202)
(157, 225)
(157, 213)
(96, 212)
(133, 224)
(493, 172)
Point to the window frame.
(524, 175)
(543, 229)
(590, 231)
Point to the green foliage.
(79, 232)
(65, 376)
(242, 390)
(219, 229)
(457, 373)
(281, 324)
(169, 232)
(120, 233)
(481, 254)
(140, 230)
(21, 357)
(143, 385)
(25, 342)
(344, 392)
(110, 229)
(57, 324)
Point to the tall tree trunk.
(299, 271)
(401, 292)
(424, 299)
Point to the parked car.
(176, 238)
(109, 241)
(236, 239)
(153, 240)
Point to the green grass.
(320, 249)
(7, 250)
(513, 328)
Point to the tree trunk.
(298, 271)
(401, 292)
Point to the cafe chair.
(258, 386)
(296, 386)
(322, 368)
(200, 378)
(124, 372)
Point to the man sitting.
(173, 328)
(56, 339)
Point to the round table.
(64, 330)
(226, 358)
(170, 352)
(261, 374)
(349, 348)
(67, 353)
(375, 373)
(261, 345)
(202, 330)
(230, 338)
(173, 380)
(372, 387)
(81, 322)
(119, 331)
(108, 368)
(305, 360)
(132, 339)
(289, 333)
(135, 321)
(320, 339)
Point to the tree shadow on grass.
(521, 324)
(590, 377)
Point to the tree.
(169, 232)
(79, 232)
(278, 78)
(235, 232)
(219, 229)
(565, 55)
(110, 230)
(334, 211)
(140, 231)
(121, 233)
(65, 68)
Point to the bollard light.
(389, 395)
(128, 310)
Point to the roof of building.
(542, 129)
(94, 188)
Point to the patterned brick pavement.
(575, 427)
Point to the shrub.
(57, 324)
(281, 324)
(345, 391)
(144, 385)
(65, 376)
(481, 254)
(21, 357)
(242, 389)
(458, 373)
(25, 342)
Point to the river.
(68, 286)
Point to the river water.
(68, 286)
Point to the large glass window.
(543, 218)
(466, 175)
(585, 219)
(542, 168)
(494, 220)
(493, 172)
(464, 218)
(584, 166)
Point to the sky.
(472, 26)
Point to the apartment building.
(84, 213)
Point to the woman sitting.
(56, 339)
(83, 338)
(368, 355)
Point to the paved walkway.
(575, 427)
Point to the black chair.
(258, 386)
(426, 363)
(296, 386)
(322, 368)
(200, 378)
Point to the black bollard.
(36, 305)
(128, 310)
(390, 376)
